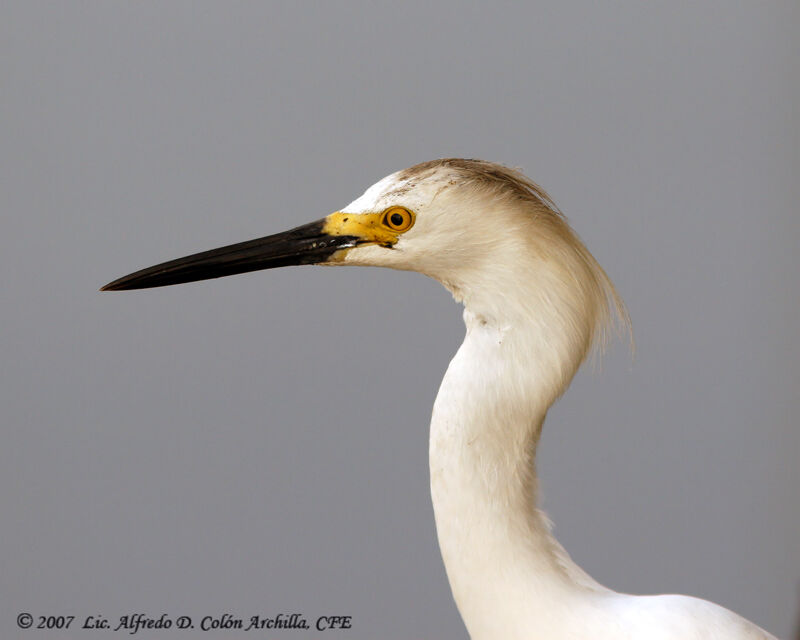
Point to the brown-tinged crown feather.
(511, 184)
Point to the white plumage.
(534, 302)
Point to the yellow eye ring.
(398, 219)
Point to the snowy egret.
(535, 302)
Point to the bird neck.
(506, 570)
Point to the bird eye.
(398, 219)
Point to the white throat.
(508, 574)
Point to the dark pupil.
(397, 219)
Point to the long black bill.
(307, 244)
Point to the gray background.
(259, 443)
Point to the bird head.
(481, 229)
(443, 218)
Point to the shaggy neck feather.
(502, 562)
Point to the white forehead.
(412, 193)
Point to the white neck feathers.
(519, 354)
